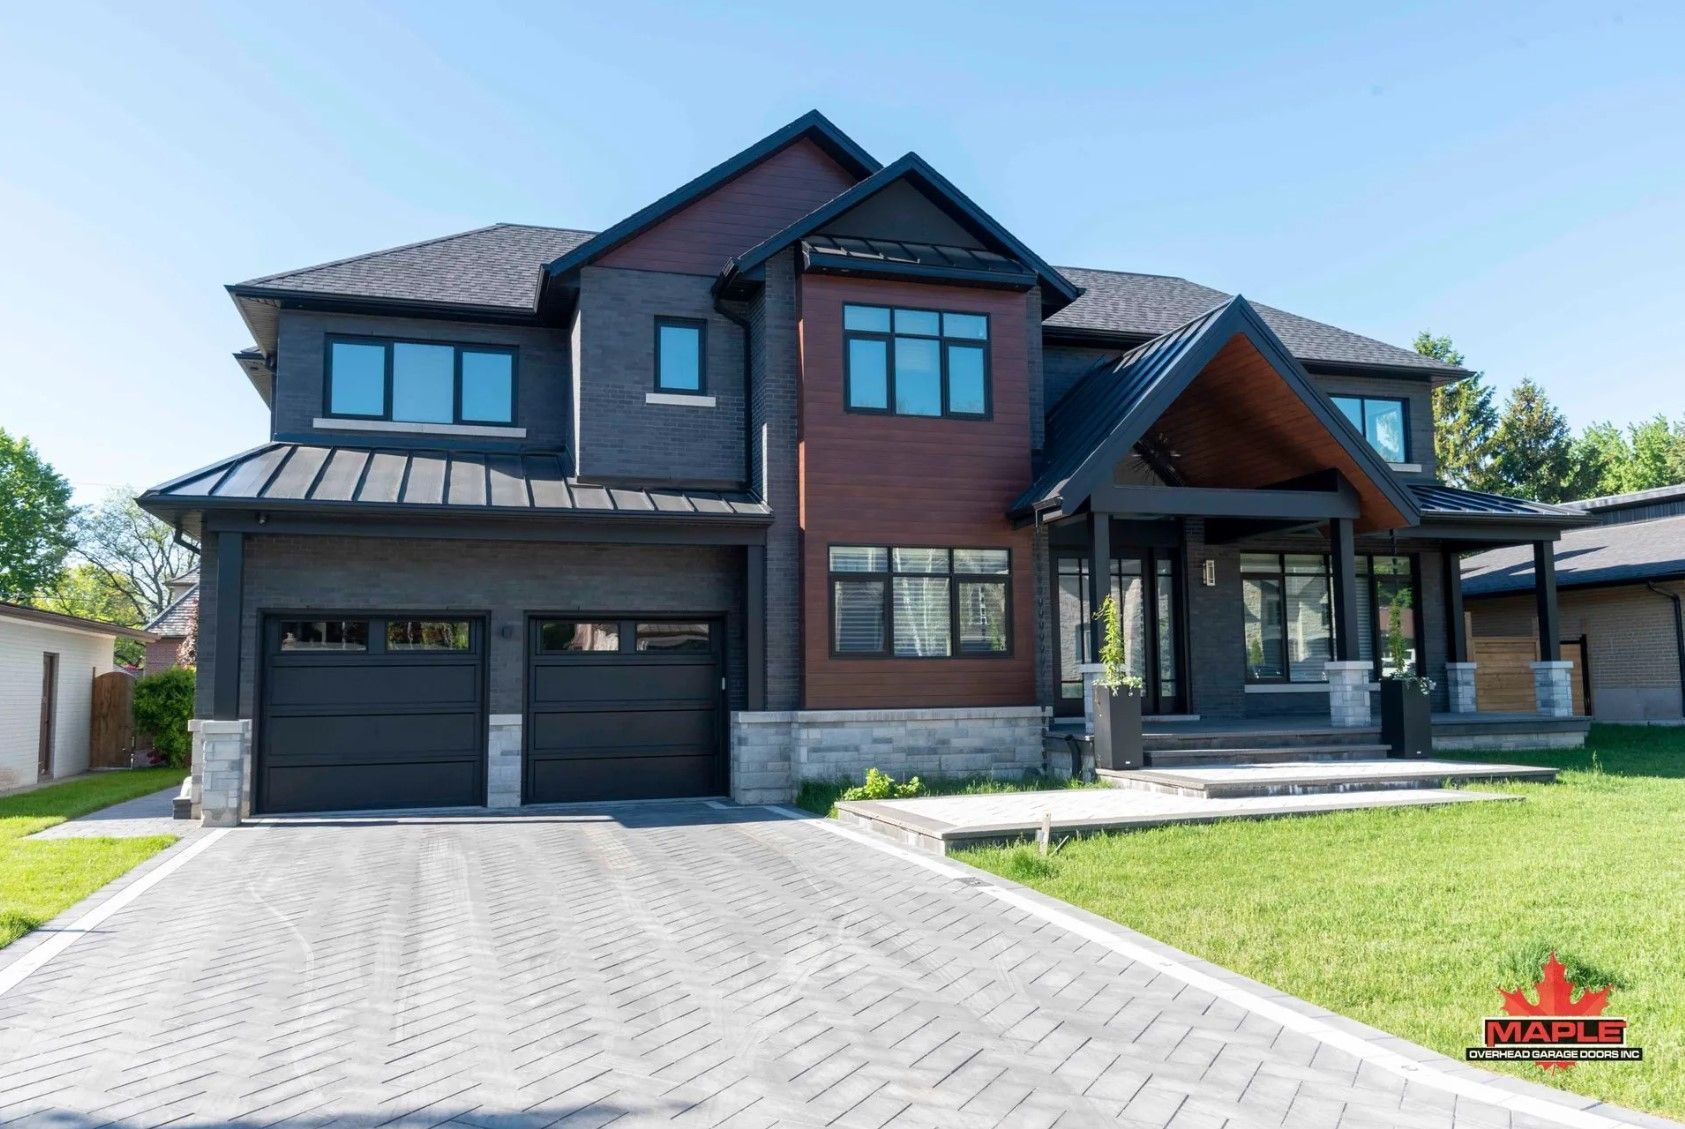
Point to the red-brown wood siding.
(699, 238)
(896, 480)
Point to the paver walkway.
(668, 964)
(131, 819)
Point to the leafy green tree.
(1600, 457)
(35, 517)
(83, 590)
(1533, 448)
(135, 552)
(1464, 420)
(1654, 444)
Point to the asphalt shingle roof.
(496, 266)
(1599, 554)
(177, 619)
(500, 266)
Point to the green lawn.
(39, 880)
(1410, 919)
(820, 796)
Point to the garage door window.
(427, 635)
(673, 638)
(325, 635)
(564, 636)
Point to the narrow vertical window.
(678, 355)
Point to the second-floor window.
(678, 355)
(420, 381)
(915, 362)
(1381, 419)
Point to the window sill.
(466, 430)
(1406, 468)
(679, 399)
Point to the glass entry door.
(1146, 586)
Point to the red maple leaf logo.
(1556, 998)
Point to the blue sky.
(1513, 175)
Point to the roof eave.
(158, 504)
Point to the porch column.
(1099, 577)
(1343, 559)
(1459, 671)
(1552, 678)
(225, 675)
(222, 743)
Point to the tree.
(83, 590)
(1654, 444)
(1532, 447)
(1600, 456)
(1464, 420)
(135, 552)
(35, 517)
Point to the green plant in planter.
(1398, 655)
(1113, 655)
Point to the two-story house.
(806, 466)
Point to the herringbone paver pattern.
(672, 965)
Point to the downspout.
(748, 401)
(1678, 633)
(180, 538)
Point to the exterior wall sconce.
(1208, 573)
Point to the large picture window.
(920, 603)
(1382, 421)
(420, 381)
(916, 362)
(1289, 616)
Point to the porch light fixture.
(1208, 573)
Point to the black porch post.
(1344, 560)
(1544, 591)
(1099, 577)
(754, 622)
(1457, 650)
(225, 684)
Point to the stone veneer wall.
(773, 752)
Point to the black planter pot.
(1406, 719)
(1117, 728)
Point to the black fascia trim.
(421, 511)
(332, 302)
(917, 272)
(943, 194)
(1318, 366)
(1562, 585)
(550, 526)
(812, 125)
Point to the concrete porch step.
(1184, 758)
(1255, 737)
(1315, 778)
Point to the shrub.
(882, 786)
(163, 703)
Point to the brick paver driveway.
(680, 964)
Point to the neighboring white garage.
(48, 663)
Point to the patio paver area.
(685, 964)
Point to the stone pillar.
(1348, 694)
(503, 761)
(1553, 688)
(762, 757)
(1459, 686)
(222, 762)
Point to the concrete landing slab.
(1316, 777)
(938, 824)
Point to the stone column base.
(1348, 694)
(1459, 687)
(503, 761)
(222, 766)
(1553, 687)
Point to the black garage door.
(371, 711)
(623, 708)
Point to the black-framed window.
(1288, 608)
(420, 381)
(587, 636)
(1379, 579)
(1384, 421)
(681, 355)
(304, 634)
(920, 602)
(914, 362)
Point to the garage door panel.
(626, 730)
(588, 778)
(571, 681)
(330, 738)
(368, 684)
(349, 787)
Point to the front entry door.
(1146, 583)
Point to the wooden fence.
(111, 735)
(1503, 680)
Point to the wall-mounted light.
(1208, 573)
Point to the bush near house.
(163, 703)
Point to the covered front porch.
(1259, 549)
